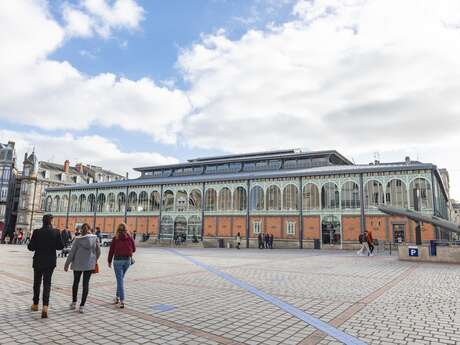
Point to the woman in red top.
(121, 251)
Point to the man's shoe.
(34, 307)
(45, 312)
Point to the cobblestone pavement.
(379, 300)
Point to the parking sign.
(413, 251)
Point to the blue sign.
(413, 251)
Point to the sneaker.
(81, 310)
(122, 305)
(116, 300)
(72, 306)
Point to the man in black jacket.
(45, 242)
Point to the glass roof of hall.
(316, 171)
(249, 157)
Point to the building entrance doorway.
(399, 233)
(330, 231)
(180, 226)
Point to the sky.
(126, 83)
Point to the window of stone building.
(257, 198)
(350, 195)
(420, 194)
(290, 228)
(273, 198)
(154, 204)
(396, 193)
(181, 201)
(330, 196)
(225, 199)
(168, 201)
(56, 204)
(143, 202)
(194, 201)
(290, 198)
(257, 227)
(310, 197)
(373, 194)
(239, 199)
(210, 200)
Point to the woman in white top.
(83, 258)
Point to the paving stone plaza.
(225, 296)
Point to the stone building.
(37, 176)
(297, 196)
(8, 174)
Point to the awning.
(420, 217)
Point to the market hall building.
(297, 196)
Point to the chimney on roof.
(79, 167)
(407, 160)
(66, 166)
(376, 162)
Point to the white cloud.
(359, 76)
(101, 18)
(54, 95)
(93, 149)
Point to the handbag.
(96, 268)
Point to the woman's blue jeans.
(120, 267)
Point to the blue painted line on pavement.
(300, 314)
(163, 307)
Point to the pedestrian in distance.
(270, 241)
(121, 252)
(362, 238)
(370, 243)
(98, 234)
(266, 240)
(82, 260)
(260, 241)
(238, 240)
(44, 243)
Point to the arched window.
(154, 204)
(420, 190)
(82, 203)
(373, 194)
(194, 200)
(310, 197)
(210, 200)
(290, 198)
(225, 199)
(167, 226)
(121, 202)
(132, 202)
(168, 201)
(396, 193)
(239, 199)
(257, 198)
(91, 203)
(111, 202)
(101, 202)
(48, 204)
(74, 203)
(350, 195)
(330, 196)
(194, 227)
(56, 204)
(143, 205)
(64, 203)
(273, 198)
(181, 201)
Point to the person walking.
(266, 240)
(98, 234)
(270, 241)
(363, 241)
(83, 259)
(44, 243)
(260, 240)
(238, 240)
(370, 243)
(121, 251)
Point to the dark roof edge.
(244, 176)
(244, 159)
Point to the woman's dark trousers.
(76, 282)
